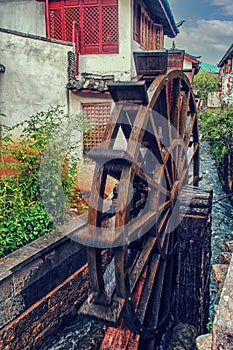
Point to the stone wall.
(221, 337)
(41, 287)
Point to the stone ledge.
(35, 269)
(204, 342)
(229, 246)
(226, 257)
(219, 274)
(223, 323)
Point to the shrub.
(38, 173)
(217, 127)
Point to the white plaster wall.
(35, 76)
(24, 16)
(117, 64)
(187, 65)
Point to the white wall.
(24, 16)
(35, 76)
(187, 65)
(117, 64)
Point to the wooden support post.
(193, 259)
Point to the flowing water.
(81, 333)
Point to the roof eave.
(229, 51)
(164, 16)
(170, 19)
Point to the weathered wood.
(130, 92)
(144, 217)
(193, 260)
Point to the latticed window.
(146, 32)
(97, 21)
(98, 115)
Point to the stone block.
(204, 342)
(229, 246)
(226, 257)
(219, 274)
(223, 324)
(6, 287)
(26, 275)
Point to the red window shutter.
(97, 21)
(110, 28)
(91, 30)
(55, 19)
(71, 14)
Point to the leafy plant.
(204, 83)
(38, 173)
(217, 126)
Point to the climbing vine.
(23, 216)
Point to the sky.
(207, 30)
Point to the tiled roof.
(207, 67)
(91, 82)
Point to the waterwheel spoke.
(156, 136)
(176, 107)
(159, 285)
(162, 222)
(189, 163)
(190, 128)
(184, 114)
(151, 180)
(113, 126)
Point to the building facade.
(93, 40)
(226, 77)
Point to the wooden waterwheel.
(151, 149)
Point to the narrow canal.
(79, 334)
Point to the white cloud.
(226, 4)
(208, 38)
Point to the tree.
(205, 82)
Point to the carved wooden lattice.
(91, 30)
(110, 28)
(98, 115)
(71, 14)
(97, 22)
(55, 18)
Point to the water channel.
(74, 335)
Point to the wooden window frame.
(146, 32)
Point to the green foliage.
(217, 126)
(38, 173)
(205, 82)
(22, 225)
(210, 324)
